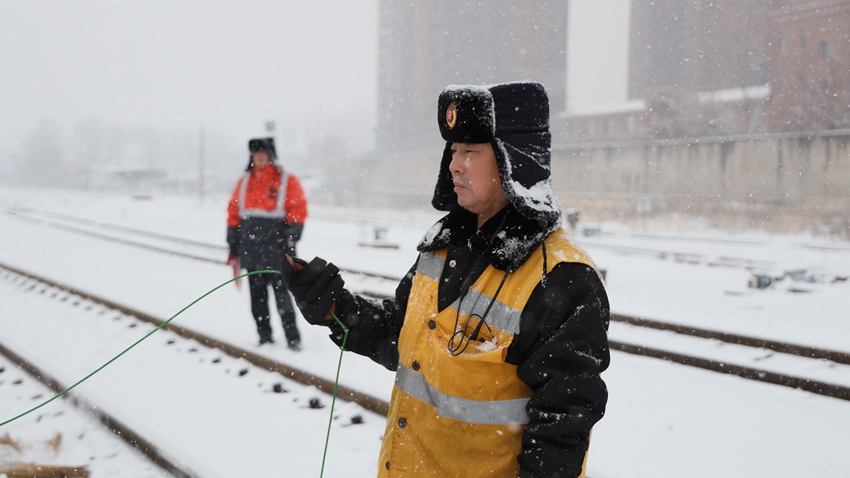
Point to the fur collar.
(506, 240)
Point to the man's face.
(476, 179)
(260, 159)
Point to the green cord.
(336, 381)
(63, 392)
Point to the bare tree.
(41, 161)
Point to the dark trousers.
(259, 287)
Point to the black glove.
(315, 288)
(233, 241)
(291, 234)
(292, 231)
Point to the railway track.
(80, 439)
(366, 401)
(139, 435)
(834, 390)
(124, 432)
(89, 228)
(835, 384)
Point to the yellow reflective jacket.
(458, 408)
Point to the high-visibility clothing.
(267, 209)
(458, 408)
(268, 192)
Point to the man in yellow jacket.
(498, 334)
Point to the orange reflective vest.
(463, 413)
(268, 192)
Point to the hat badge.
(451, 115)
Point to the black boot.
(266, 340)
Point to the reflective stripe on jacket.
(279, 210)
(462, 412)
(268, 207)
(270, 193)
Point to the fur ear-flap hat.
(261, 144)
(514, 118)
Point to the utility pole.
(270, 128)
(201, 165)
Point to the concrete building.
(740, 115)
(717, 113)
(696, 68)
(810, 66)
(425, 46)
(721, 68)
(697, 46)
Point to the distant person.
(498, 333)
(265, 219)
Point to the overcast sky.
(598, 39)
(231, 65)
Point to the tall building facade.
(698, 45)
(426, 45)
(810, 66)
(720, 67)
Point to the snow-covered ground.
(213, 414)
(663, 420)
(59, 434)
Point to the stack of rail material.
(14, 463)
(380, 240)
(34, 470)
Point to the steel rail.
(346, 393)
(124, 432)
(821, 388)
(23, 217)
(131, 230)
(379, 406)
(119, 240)
(773, 345)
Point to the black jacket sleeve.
(233, 240)
(560, 351)
(374, 325)
(291, 232)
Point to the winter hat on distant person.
(514, 118)
(261, 144)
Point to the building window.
(589, 128)
(630, 125)
(609, 126)
(825, 49)
(804, 39)
(754, 116)
(783, 42)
